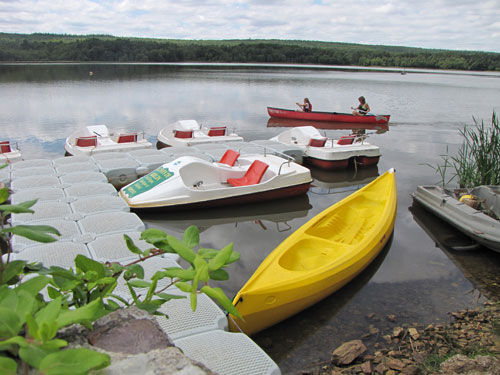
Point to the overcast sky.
(448, 24)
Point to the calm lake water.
(413, 278)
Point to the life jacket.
(308, 107)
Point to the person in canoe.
(362, 109)
(306, 106)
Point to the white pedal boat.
(191, 133)
(190, 182)
(326, 153)
(9, 153)
(94, 139)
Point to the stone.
(410, 370)
(348, 352)
(373, 330)
(381, 368)
(395, 364)
(366, 367)
(461, 364)
(391, 317)
(129, 331)
(397, 331)
(413, 333)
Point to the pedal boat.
(9, 153)
(474, 223)
(190, 182)
(327, 153)
(186, 133)
(95, 139)
(319, 258)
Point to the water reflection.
(328, 182)
(479, 264)
(288, 123)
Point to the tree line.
(52, 47)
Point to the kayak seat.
(126, 138)
(217, 131)
(317, 142)
(346, 140)
(183, 133)
(5, 147)
(252, 176)
(86, 141)
(229, 157)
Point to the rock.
(373, 330)
(370, 315)
(413, 333)
(366, 367)
(129, 331)
(391, 317)
(410, 370)
(395, 364)
(461, 364)
(348, 352)
(397, 331)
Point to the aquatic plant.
(36, 302)
(478, 158)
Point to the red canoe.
(327, 116)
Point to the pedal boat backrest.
(127, 138)
(229, 157)
(5, 147)
(346, 140)
(217, 131)
(317, 142)
(183, 133)
(90, 141)
(252, 176)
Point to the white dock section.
(74, 196)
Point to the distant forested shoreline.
(105, 48)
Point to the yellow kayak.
(319, 258)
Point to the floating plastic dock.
(77, 195)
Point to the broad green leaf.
(66, 284)
(235, 256)
(191, 237)
(206, 253)
(32, 327)
(49, 312)
(118, 298)
(16, 340)
(8, 366)
(201, 268)
(8, 297)
(62, 272)
(112, 305)
(150, 307)
(4, 194)
(47, 330)
(134, 270)
(184, 251)
(13, 268)
(158, 238)
(10, 323)
(185, 287)
(219, 275)
(90, 265)
(53, 292)
(219, 296)
(26, 305)
(73, 361)
(168, 297)
(193, 300)
(34, 285)
(86, 313)
(139, 284)
(54, 344)
(31, 232)
(33, 354)
(220, 259)
(21, 208)
(179, 272)
(131, 246)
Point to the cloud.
(447, 24)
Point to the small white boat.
(9, 153)
(326, 153)
(191, 182)
(476, 224)
(191, 133)
(94, 139)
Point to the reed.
(478, 159)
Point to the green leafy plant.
(36, 302)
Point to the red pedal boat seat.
(5, 147)
(346, 140)
(127, 138)
(183, 133)
(86, 141)
(217, 131)
(317, 142)
(252, 176)
(229, 157)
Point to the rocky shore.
(470, 344)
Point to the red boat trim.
(327, 164)
(366, 161)
(286, 192)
